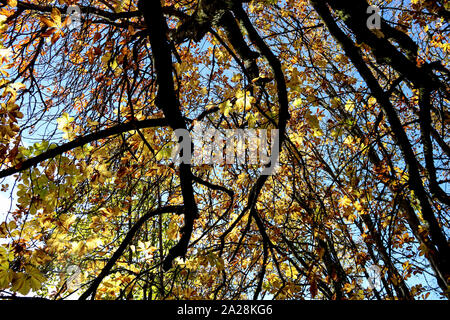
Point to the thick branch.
(119, 252)
(84, 9)
(168, 102)
(81, 141)
(400, 136)
(425, 132)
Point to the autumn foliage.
(95, 208)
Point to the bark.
(168, 102)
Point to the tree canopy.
(95, 207)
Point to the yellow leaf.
(64, 125)
(21, 283)
(237, 78)
(6, 275)
(35, 278)
(172, 231)
(56, 17)
(297, 102)
(344, 201)
(49, 23)
(103, 172)
(349, 106)
(349, 141)
(13, 88)
(372, 101)
(79, 248)
(12, 3)
(92, 243)
(360, 208)
(225, 108)
(244, 100)
(118, 7)
(64, 121)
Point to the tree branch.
(168, 102)
(81, 141)
(118, 253)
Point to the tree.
(358, 208)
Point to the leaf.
(64, 124)
(6, 276)
(349, 106)
(345, 201)
(172, 230)
(35, 278)
(79, 248)
(5, 54)
(13, 88)
(49, 23)
(56, 17)
(226, 108)
(64, 121)
(313, 289)
(312, 120)
(244, 101)
(20, 283)
(92, 243)
(12, 3)
(297, 102)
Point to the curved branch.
(118, 253)
(22, 6)
(168, 102)
(399, 135)
(81, 141)
(109, 15)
